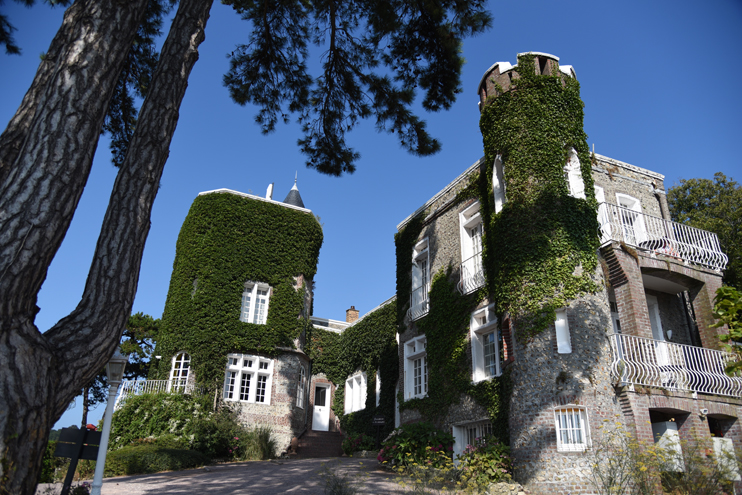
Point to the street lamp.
(115, 372)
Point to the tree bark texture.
(56, 132)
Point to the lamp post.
(115, 372)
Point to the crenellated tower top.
(501, 75)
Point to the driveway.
(294, 476)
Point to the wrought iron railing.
(655, 363)
(660, 236)
(472, 274)
(419, 303)
(140, 387)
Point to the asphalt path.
(294, 476)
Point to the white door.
(660, 347)
(321, 412)
(605, 226)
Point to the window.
(666, 436)
(378, 387)
(255, 303)
(573, 174)
(498, 183)
(564, 340)
(301, 388)
(631, 219)
(355, 393)
(605, 226)
(248, 379)
(468, 434)
(420, 280)
(486, 344)
(472, 275)
(179, 373)
(416, 368)
(572, 429)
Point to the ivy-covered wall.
(226, 240)
(368, 345)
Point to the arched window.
(181, 369)
(573, 174)
(498, 183)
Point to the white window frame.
(563, 335)
(467, 433)
(180, 369)
(665, 434)
(471, 230)
(244, 369)
(416, 358)
(250, 297)
(355, 392)
(420, 279)
(378, 387)
(572, 428)
(301, 388)
(483, 324)
(498, 183)
(631, 219)
(603, 219)
(573, 175)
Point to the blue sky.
(660, 82)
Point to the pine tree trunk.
(55, 134)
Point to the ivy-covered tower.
(240, 299)
(542, 270)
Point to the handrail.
(618, 223)
(472, 275)
(419, 306)
(656, 363)
(140, 387)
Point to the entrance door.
(321, 412)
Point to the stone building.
(637, 349)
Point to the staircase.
(320, 444)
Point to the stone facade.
(653, 292)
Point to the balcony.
(141, 387)
(472, 275)
(419, 306)
(655, 363)
(658, 235)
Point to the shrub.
(354, 443)
(417, 443)
(485, 462)
(50, 464)
(149, 458)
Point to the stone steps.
(320, 444)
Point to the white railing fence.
(418, 303)
(662, 236)
(472, 274)
(655, 363)
(140, 387)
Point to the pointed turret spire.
(293, 197)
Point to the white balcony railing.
(418, 303)
(660, 236)
(140, 387)
(472, 274)
(655, 363)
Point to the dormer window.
(255, 303)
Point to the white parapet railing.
(472, 274)
(419, 303)
(661, 236)
(655, 363)
(141, 387)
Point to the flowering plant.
(485, 462)
(416, 444)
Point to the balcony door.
(631, 219)
(660, 346)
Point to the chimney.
(269, 192)
(351, 315)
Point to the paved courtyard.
(297, 476)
